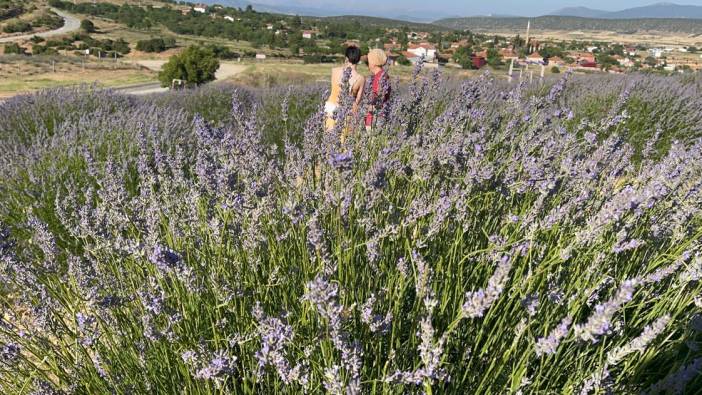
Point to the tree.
(87, 26)
(493, 57)
(195, 65)
(463, 57)
(555, 70)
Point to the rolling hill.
(569, 23)
(658, 10)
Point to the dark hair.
(353, 54)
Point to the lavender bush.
(483, 238)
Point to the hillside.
(582, 12)
(658, 10)
(376, 22)
(568, 23)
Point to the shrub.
(555, 70)
(195, 65)
(156, 44)
(13, 48)
(87, 26)
(17, 27)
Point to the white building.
(229, 18)
(201, 8)
(260, 56)
(426, 50)
(307, 34)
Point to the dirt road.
(225, 71)
(70, 24)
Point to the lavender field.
(484, 239)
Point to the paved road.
(70, 24)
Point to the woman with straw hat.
(379, 87)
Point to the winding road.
(70, 24)
(226, 70)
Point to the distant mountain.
(582, 12)
(574, 24)
(658, 10)
(295, 8)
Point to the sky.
(470, 7)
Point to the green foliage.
(17, 27)
(493, 57)
(87, 26)
(463, 56)
(37, 39)
(606, 61)
(43, 50)
(402, 60)
(555, 70)
(195, 65)
(50, 20)
(13, 48)
(222, 52)
(156, 44)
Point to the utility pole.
(511, 69)
(526, 42)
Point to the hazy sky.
(472, 7)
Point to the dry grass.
(18, 74)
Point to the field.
(20, 74)
(483, 238)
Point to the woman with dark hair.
(356, 83)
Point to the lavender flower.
(549, 344)
(477, 302)
(640, 343)
(600, 322)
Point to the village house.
(624, 61)
(308, 34)
(631, 51)
(428, 51)
(229, 18)
(581, 57)
(260, 56)
(411, 56)
(201, 8)
(478, 61)
(535, 58)
(269, 26)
